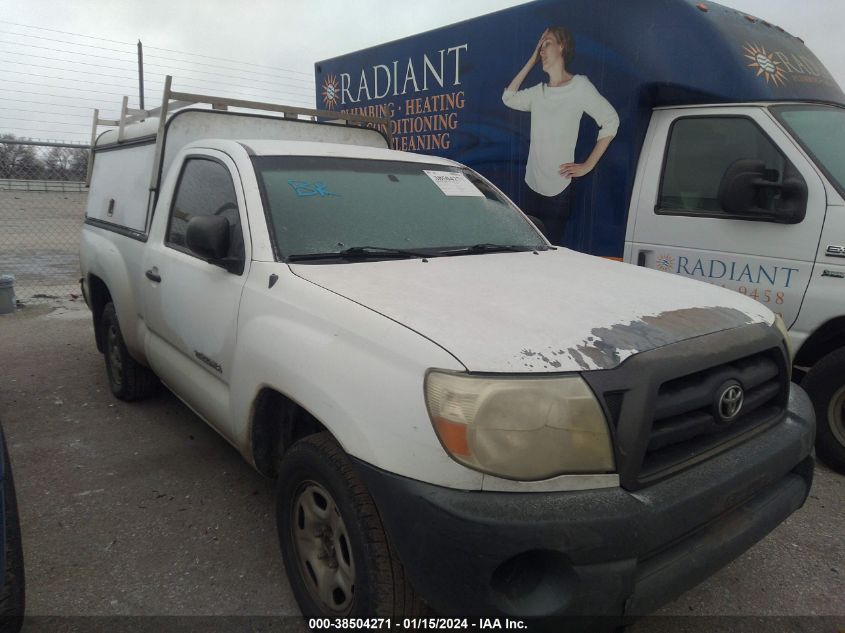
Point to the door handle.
(641, 258)
(152, 275)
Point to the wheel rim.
(115, 360)
(836, 415)
(323, 549)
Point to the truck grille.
(672, 407)
(688, 420)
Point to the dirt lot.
(39, 242)
(133, 509)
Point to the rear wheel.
(128, 379)
(825, 384)
(337, 556)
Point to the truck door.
(191, 306)
(686, 216)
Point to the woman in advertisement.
(556, 108)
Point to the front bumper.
(607, 552)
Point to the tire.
(128, 379)
(12, 593)
(825, 384)
(337, 555)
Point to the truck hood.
(553, 311)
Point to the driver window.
(205, 188)
(700, 150)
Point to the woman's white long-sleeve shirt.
(555, 119)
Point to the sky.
(58, 59)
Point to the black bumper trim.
(595, 552)
(667, 575)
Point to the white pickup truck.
(376, 330)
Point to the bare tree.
(58, 163)
(18, 161)
(78, 163)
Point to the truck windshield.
(351, 208)
(820, 130)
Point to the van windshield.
(334, 209)
(820, 130)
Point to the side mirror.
(747, 191)
(208, 236)
(738, 190)
(792, 206)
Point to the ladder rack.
(172, 100)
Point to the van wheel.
(128, 379)
(335, 549)
(824, 384)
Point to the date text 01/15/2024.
(435, 624)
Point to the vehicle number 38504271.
(388, 623)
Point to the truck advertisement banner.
(559, 128)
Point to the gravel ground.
(142, 509)
(39, 242)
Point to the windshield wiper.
(477, 249)
(361, 252)
(364, 251)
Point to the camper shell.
(147, 141)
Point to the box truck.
(724, 139)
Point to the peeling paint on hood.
(609, 346)
(555, 311)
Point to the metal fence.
(42, 207)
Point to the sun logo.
(665, 263)
(765, 64)
(331, 92)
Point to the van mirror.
(737, 190)
(792, 206)
(208, 236)
(751, 192)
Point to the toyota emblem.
(729, 404)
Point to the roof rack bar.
(272, 107)
(91, 149)
(140, 115)
(96, 122)
(124, 106)
(171, 100)
(162, 121)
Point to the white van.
(727, 165)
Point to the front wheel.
(825, 384)
(337, 555)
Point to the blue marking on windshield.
(305, 189)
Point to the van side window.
(205, 188)
(702, 151)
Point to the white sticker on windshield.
(453, 183)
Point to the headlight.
(519, 428)
(780, 325)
